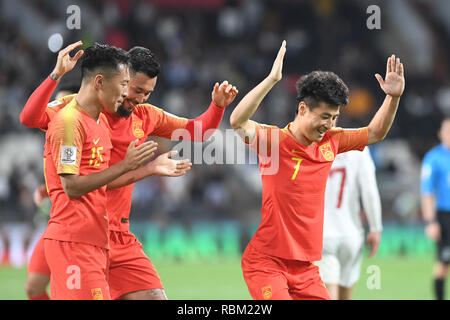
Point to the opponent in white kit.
(351, 181)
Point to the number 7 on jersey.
(296, 167)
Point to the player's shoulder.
(145, 107)
(434, 153)
(338, 130)
(61, 102)
(67, 114)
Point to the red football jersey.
(76, 144)
(145, 120)
(294, 178)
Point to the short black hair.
(322, 86)
(102, 58)
(143, 60)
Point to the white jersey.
(351, 178)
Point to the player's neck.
(295, 130)
(88, 101)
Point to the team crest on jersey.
(267, 292)
(97, 294)
(326, 151)
(68, 155)
(136, 126)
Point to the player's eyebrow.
(327, 114)
(142, 89)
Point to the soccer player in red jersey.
(132, 275)
(38, 272)
(77, 170)
(278, 261)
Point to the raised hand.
(65, 62)
(394, 82)
(277, 68)
(163, 165)
(136, 156)
(223, 94)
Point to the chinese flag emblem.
(267, 292)
(97, 294)
(136, 126)
(327, 152)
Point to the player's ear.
(99, 81)
(301, 108)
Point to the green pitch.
(398, 278)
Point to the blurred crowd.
(200, 42)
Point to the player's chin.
(318, 136)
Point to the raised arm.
(33, 114)
(240, 117)
(393, 85)
(222, 95)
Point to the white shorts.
(341, 260)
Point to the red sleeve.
(33, 114)
(207, 123)
(65, 137)
(351, 139)
(161, 123)
(266, 137)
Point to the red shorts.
(37, 263)
(78, 270)
(130, 269)
(270, 277)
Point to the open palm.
(65, 62)
(277, 68)
(394, 82)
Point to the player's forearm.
(372, 209)
(76, 186)
(209, 120)
(33, 114)
(383, 119)
(131, 177)
(370, 197)
(428, 208)
(250, 103)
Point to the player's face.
(115, 89)
(317, 121)
(139, 90)
(444, 132)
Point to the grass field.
(400, 278)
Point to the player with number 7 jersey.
(278, 263)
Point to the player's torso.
(342, 196)
(123, 132)
(303, 171)
(96, 146)
(292, 208)
(86, 215)
(442, 167)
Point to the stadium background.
(194, 228)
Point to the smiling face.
(114, 88)
(139, 90)
(315, 122)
